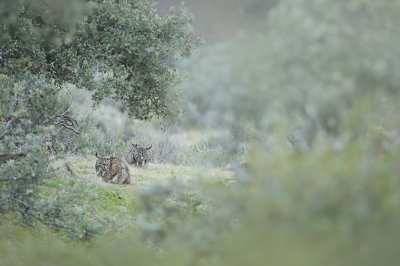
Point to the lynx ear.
(151, 145)
(96, 155)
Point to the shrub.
(28, 110)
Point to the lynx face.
(138, 155)
(102, 166)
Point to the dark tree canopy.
(124, 50)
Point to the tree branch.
(11, 179)
(16, 103)
(17, 200)
(293, 144)
(59, 166)
(6, 131)
(87, 98)
(6, 157)
(67, 122)
(70, 170)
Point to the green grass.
(327, 208)
(119, 203)
(115, 205)
(140, 178)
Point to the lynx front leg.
(119, 179)
(115, 179)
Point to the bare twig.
(66, 121)
(71, 128)
(72, 103)
(293, 144)
(59, 166)
(70, 170)
(11, 179)
(87, 98)
(19, 201)
(7, 125)
(197, 148)
(16, 103)
(6, 157)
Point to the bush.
(106, 143)
(28, 111)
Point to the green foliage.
(336, 71)
(106, 143)
(123, 50)
(164, 208)
(320, 73)
(37, 19)
(134, 51)
(120, 49)
(28, 109)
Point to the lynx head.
(136, 146)
(102, 163)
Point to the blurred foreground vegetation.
(310, 102)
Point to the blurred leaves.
(332, 62)
(37, 19)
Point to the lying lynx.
(112, 170)
(138, 155)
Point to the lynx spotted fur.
(138, 155)
(112, 170)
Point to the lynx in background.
(112, 170)
(138, 155)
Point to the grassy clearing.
(140, 178)
(338, 207)
(118, 204)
